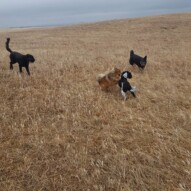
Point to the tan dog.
(109, 78)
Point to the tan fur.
(109, 78)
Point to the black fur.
(126, 74)
(125, 85)
(138, 60)
(22, 60)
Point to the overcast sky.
(22, 13)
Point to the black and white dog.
(138, 60)
(125, 85)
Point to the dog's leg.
(27, 69)
(11, 66)
(133, 94)
(20, 68)
(123, 94)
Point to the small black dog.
(138, 60)
(22, 60)
(125, 85)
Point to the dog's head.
(126, 74)
(143, 62)
(30, 58)
(114, 74)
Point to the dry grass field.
(59, 131)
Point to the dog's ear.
(145, 58)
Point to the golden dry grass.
(59, 131)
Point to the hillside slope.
(59, 131)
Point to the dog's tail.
(131, 52)
(7, 45)
(100, 77)
(133, 89)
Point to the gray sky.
(21, 13)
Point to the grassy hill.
(59, 131)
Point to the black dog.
(22, 60)
(125, 85)
(138, 60)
